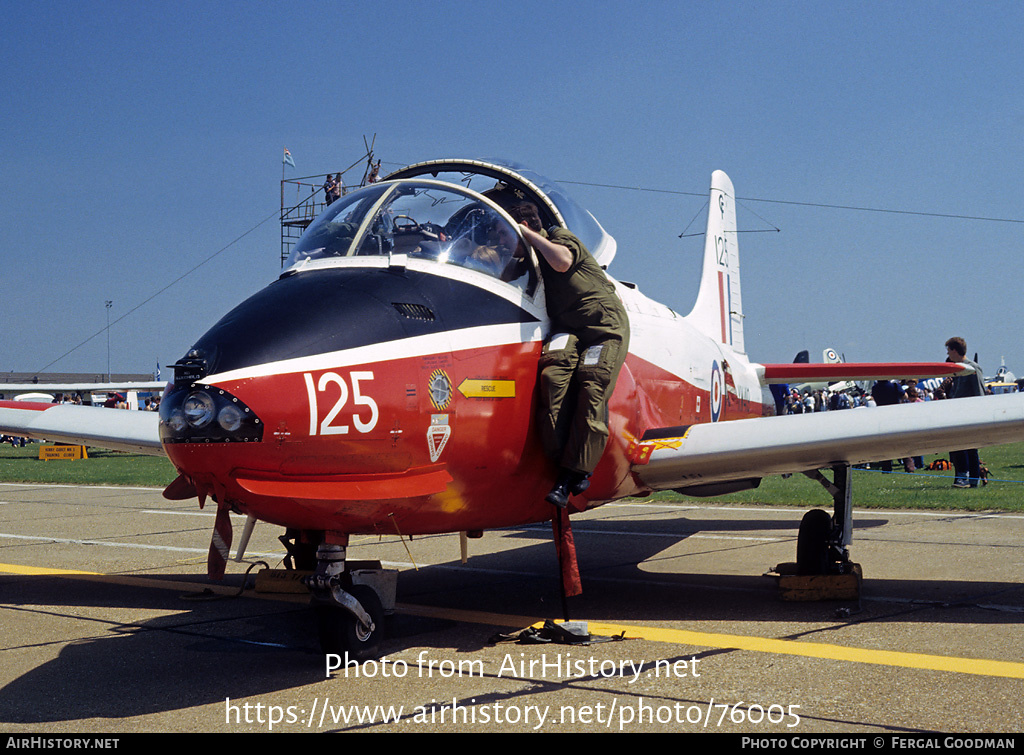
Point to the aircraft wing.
(753, 448)
(116, 429)
(833, 372)
(128, 385)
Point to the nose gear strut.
(349, 601)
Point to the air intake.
(413, 311)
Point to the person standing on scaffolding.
(581, 360)
(330, 190)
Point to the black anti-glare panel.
(329, 310)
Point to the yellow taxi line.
(39, 570)
(979, 666)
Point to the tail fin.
(719, 308)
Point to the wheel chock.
(281, 581)
(810, 587)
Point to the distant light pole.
(109, 305)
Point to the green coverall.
(581, 358)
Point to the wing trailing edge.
(119, 430)
(752, 448)
(834, 372)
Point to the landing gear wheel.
(341, 632)
(812, 548)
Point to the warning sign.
(48, 453)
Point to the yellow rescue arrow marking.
(487, 388)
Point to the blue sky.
(141, 138)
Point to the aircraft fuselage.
(387, 381)
(419, 425)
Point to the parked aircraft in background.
(828, 356)
(1003, 381)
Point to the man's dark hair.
(526, 212)
(958, 345)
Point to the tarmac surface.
(106, 627)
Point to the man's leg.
(596, 373)
(959, 461)
(973, 467)
(557, 365)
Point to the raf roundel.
(717, 392)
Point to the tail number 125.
(358, 400)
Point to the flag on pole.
(287, 160)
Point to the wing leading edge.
(753, 448)
(119, 430)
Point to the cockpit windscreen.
(423, 220)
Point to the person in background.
(966, 467)
(330, 190)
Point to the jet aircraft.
(386, 383)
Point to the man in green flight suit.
(581, 358)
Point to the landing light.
(198, 408)
(230, 418)
(187, 416)
(177, 420)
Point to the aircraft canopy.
(422, 219)
(449, 211)
(509, 182)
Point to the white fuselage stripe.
(403, 348)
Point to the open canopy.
(449, 211)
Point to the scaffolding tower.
(302, 199)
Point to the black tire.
(812, 543)
(341, 633)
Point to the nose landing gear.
(350, 600)
(354, 627)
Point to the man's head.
(501, 235)
(956, 349)
(526, 212)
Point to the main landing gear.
(823, 570)
(350, 600)
(823, 541)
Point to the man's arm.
(558, 256)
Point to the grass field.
(871, 488)
(101, 468)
